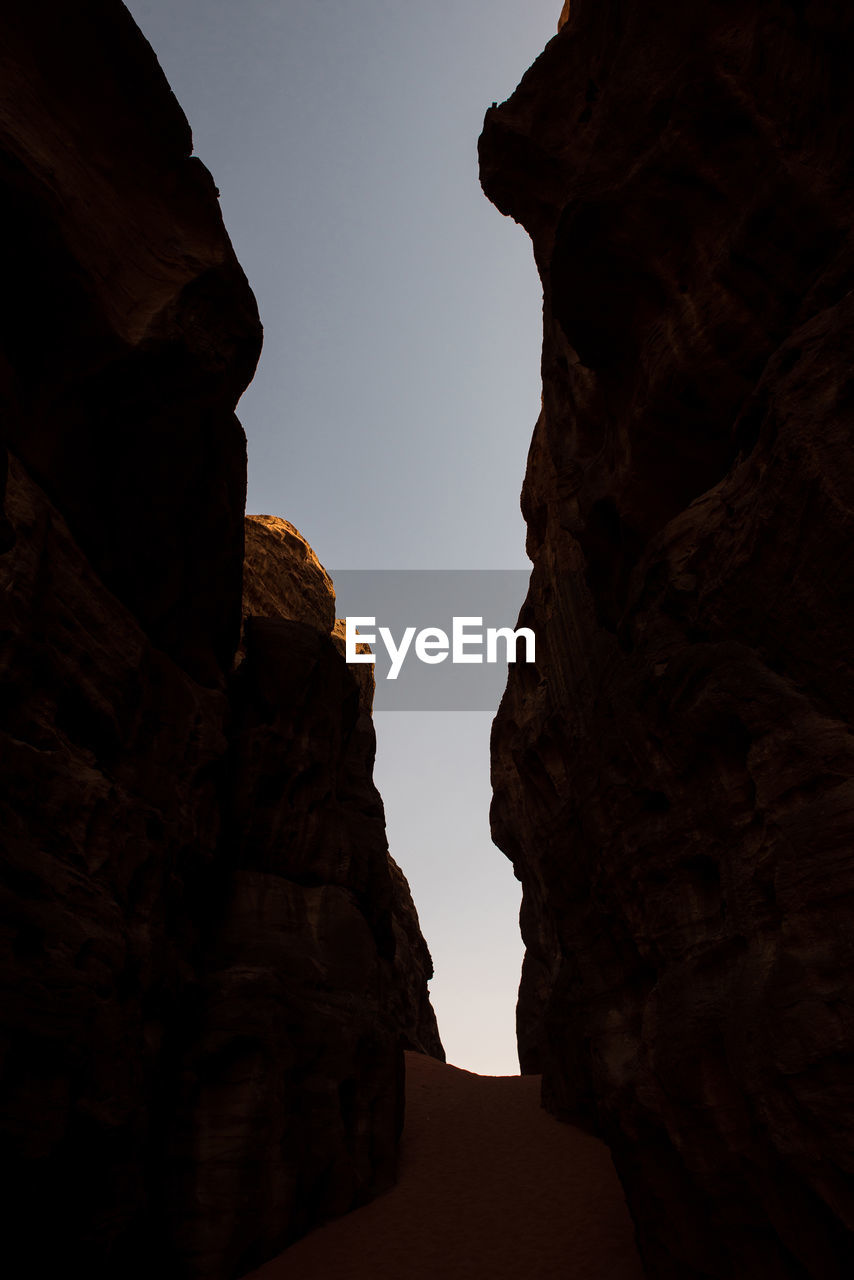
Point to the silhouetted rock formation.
(128, 330)
(284, 579)
(674, 781)
(201, 1052)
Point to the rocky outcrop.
(673, 782)
(200, 1046)
(285, 580)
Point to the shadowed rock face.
(673, 783)
(128, 329)
(201, 1018)
(285, 580)
(290, 1105)
(109, 826)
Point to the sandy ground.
(491, 1188)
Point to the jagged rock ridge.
(674, 782)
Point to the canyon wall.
(674, 781)
(205, 997)
(284, 580)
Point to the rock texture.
(201, 1043)
(290, 1101)
(285, 580)
(675, 781)
(109, 823)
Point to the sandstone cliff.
(674, 781)
(199, 1037)
(284, 579)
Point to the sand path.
(491, 1188)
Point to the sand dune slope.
(491, 1188)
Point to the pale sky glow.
(399, 384)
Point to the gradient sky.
(391, 413)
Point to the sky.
(390, 416)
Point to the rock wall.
(284, 580)
(673, 783)
(128, 330)
(201, 1033)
